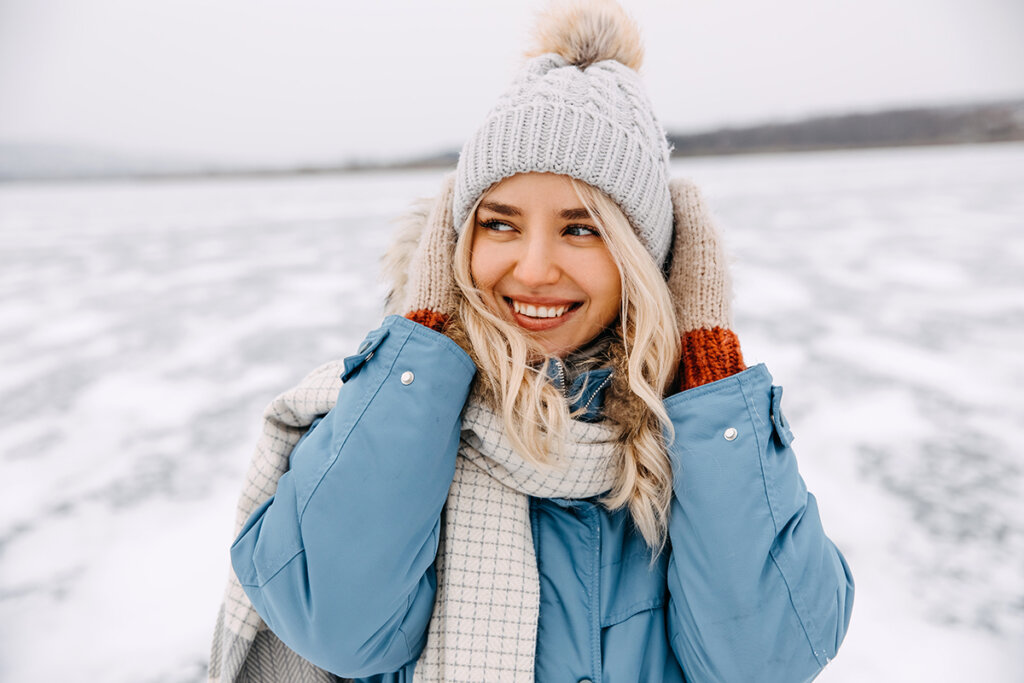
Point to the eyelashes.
(584, 230)
(571, 230)
(496, 225)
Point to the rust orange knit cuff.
(432, 319)
(707, 356)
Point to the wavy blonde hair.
(644, 356)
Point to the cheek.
(484, 267)
(611, 302)
(606, 289)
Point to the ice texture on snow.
(143, 326)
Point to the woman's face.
(540, 262)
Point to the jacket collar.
(582, 380)
(585, 392)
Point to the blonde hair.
(644, 355)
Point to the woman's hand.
(700, 287)
(431, 292)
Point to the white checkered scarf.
(484, 623)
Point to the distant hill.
(976, 123)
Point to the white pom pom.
(584, 32)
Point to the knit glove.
(700, 287)
(430, 291)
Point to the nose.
(537, 265)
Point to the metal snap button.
(730, 434)
(408, 377)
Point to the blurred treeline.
(976, 123)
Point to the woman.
(555, 465)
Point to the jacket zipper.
(596, 391)
(565, 385)
(561, 378)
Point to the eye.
(496, 225)
(581, 231)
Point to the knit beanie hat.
(578, 108)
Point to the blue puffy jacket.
(340, 563)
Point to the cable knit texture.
(431, 294)
(594, 123)
(701, 289)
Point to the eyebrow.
(508, 210)
(503, 209)
(576, 215)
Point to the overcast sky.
(275, 81)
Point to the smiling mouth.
(535, 315)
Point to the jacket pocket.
(632, 586)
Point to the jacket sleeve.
(756, 589)
(339, 563)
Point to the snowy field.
(143, 327)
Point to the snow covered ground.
(143, 326)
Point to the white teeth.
(538, 311)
